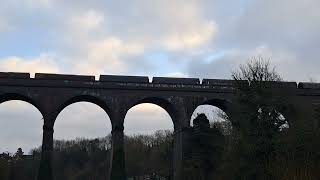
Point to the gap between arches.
(82, 119)
(146, 118)
(21, 126)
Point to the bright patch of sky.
(215, 56)
(25, 44)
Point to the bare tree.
(257, 69)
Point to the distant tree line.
(90, 158)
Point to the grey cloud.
(287, 64)
(285, 31)
(154, 25)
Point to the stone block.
(125, 79)
(169, 80)
(14, 75)
(45, 76)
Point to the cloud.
(284, 31)
(286, 62)
(193, 38)
(87, 21)
(4, 26)
(183, 26)
(108, 37)
(42, 63)
(158, 23)
(30, 4)
(109, 56)
(113, 40)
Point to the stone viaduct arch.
(16, 96)
(51, 93)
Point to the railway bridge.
(51, 93)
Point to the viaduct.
(51, 93)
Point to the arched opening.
(148, 142)
(20, 139)
(207, 142)
(216, 116)
(279, 120)
(82, 143)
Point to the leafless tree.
(257, 69)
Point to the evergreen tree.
(206, 148)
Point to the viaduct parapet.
(51, 93)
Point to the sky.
(180, 38)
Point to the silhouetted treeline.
(147, 156)
(18, 166)
(89, 158)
